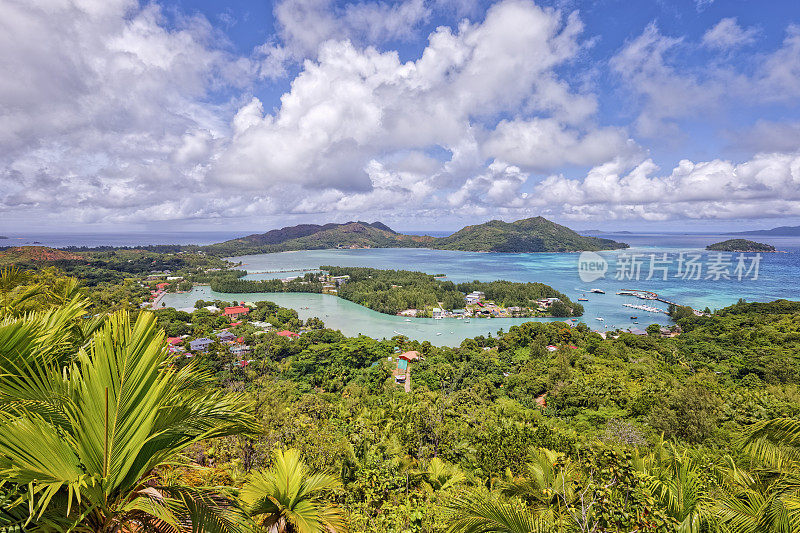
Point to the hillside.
(38, 254)
(782, 231)
(740, 245)
(528, 235)
(313, 236)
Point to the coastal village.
(230, 338)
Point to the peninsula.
(528, 235)
(413, 294)
(740, 246)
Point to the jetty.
(283, 270)
(648, 308)
(645, 295)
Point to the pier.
(645, 295)
(283, 270)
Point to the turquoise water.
(777, 279)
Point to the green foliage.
(87, 429)
(497, 434)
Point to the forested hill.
(529, 235)
(313, 237)
(740, 245)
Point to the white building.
(438, 313)
(474, 297)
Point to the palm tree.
(482, 512)
(441, 476)
(91, 426)
(766, 499)
(289, 498)
(683, 486)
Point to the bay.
(777, 278)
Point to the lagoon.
(777, 279)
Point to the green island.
(529, 235)
(238, 418)
(740, 246)
(403, 292)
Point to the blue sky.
(189, 114)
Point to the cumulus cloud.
(355, 105)
(541, 144)
(105, 108)
(766, 185)
(303, 25)
(115, 115)
(727, 34)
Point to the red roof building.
(286, 333)
(236, 311)
(410, 356)
(162, 285)
(174, 340)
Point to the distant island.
(780, 231)
(740, 245)
(3, 237)
(528, 235)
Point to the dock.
(650, 295)
(645, 295)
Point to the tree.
(89, 430)
(654, 330)
(289, 498)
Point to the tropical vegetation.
(105, 428)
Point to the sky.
(118, 115)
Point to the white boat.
(598, 291)
(599, 318)
(438, 333)
(408, 320)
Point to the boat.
(439, 333)
(583, 299)
(634, 317)
(598, 291)
(599, 318)
(408, 320)
(451, 333)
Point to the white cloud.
(766, 185)
(105, 108)
(544, 144)
(114, 115)
(304, 25)
(353, 106)
(727, 34)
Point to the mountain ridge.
(535, 234)
(780, 231)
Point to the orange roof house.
(286, 333)
(236, 311)
(174, 341)
(413, 355)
